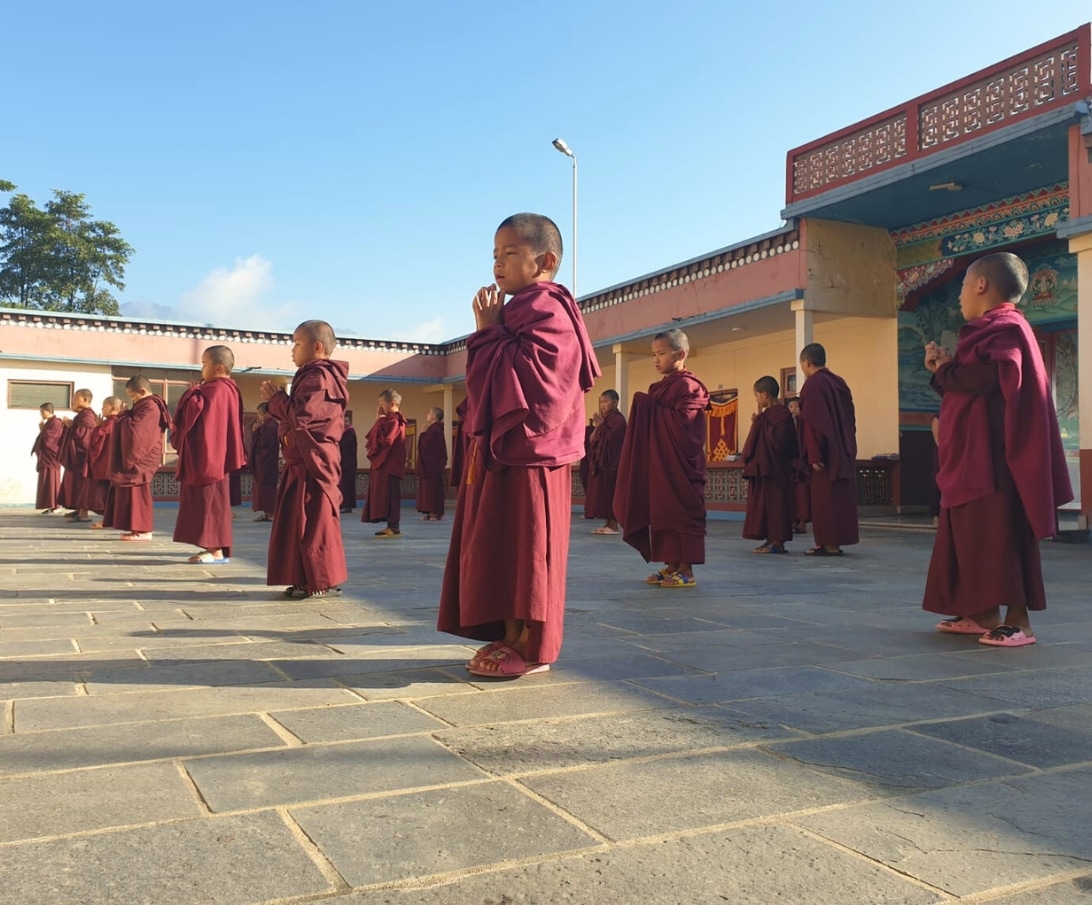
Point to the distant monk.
(830, 448)
(47, 447)
(1002, 470)
(431, 462)
(349, 464)
(264, 464)
(768, 457)
(76, 444)
(96, 488)
(584, 467)
(208, 434)
(801, 473)
(385, 447)
(458, 446)
(660, 497)
(604, 454)
(306, 552)
(529, 365)
(136, 452)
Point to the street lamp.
(559, 143)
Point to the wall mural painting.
(722, 418)
(1065, 387)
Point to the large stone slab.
(1037, 689)
(410, 684)
(169, 674)
(1027, 741)
(751, 683)
(355, 721)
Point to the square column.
(621, 377)
(1081, 246)
(804, 334)
(449, 415)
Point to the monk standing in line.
(604, 453)
(136, 452)
(47, 447)
(660, 497)
(431, 462)
(264, 464)
(349, 460)
(74, 449)
(801, 474)
(768, 457)
(458, 446)
(208, 434)
(306, 552)
(529, 365)
(1002, 470)
(385, 447)
(830, 449)
(96, 488)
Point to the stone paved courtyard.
(792, 731)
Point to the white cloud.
(230, 296)
(432, 331)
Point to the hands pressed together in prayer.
(596, 419)
(935, 356)
(488, 307)
(269, 389)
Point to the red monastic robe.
(136, 452)
(264, 466)
(526, 379)
(458, 446)
(349, 464)
(47, 447)
(74, 449)
(208, 434)
(385, 446)
(768, 457)
(305, 546)
(96, 488)
(830, 439)
(604, 454)
(1002, 470)
(660, 496)
(431, 462)
(584, 468)
(801, 478)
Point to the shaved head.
(113, 403)
(437, 413)
(769, 386)
(391, 396)
(222, 356)
(46, 407)
(538, 231)
(676, 340)
(814, 354)
(138, 384)
(612, 395)
(1005, 272)
(85, 395)
(319, 332)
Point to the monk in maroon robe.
(96, 488)
(385, 446)
(458, 446)
(830, 450)
(306, 551)
(604, 453)
(660, 496)
(208, 434)
(431, 462)
(529, 364)
(74, 449)
(801, 473)
(264, 464)
(47, 448)
(1002, 470)
(584, 468)
(768, 457)
(136, 453)
(349, 463)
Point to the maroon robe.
(136, 452)
(97, 486)
(604, 454)
(208, 434)
(526, 379)
(74, 449)
(47, 447)
(801, 478)
(305, 545)
(1002, 470)
(235, 486)
(768, 457)
(458, 446)
(431, 462)
(660, 496)
(264, 466)
(584, 468)
(385, 446)
(830, 440)
(349, 464)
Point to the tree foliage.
(56, 257)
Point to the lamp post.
(559, 143)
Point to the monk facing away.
(660, 497)
(264, 464)
(1002, 472)
(801, 474)
(529, 365)
(96, 489)
(306, 552)
(431, 462)
(768, 457)
(74, 449)
(349, 459)
(604, 453)
(830, 450)
(47, 448)
(385, 446)
(208, 434)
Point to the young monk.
(1002, 470)
(385, 446)
(801, 491)
(529, 364)
(208, 434)
(458, 446)
(136, 452)
(96, 488)
(306, 552)
(349, 452)
(265, 449)
(431, 462)
(768, 457)
(47, 448)
(660, 497)
(76, 443)
(604, 453)
(830, 449)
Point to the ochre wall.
(851, 269)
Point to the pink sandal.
(510, 665)
(1006, 636)
(964, 625)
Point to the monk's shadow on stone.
(181, 578)
(179, 597)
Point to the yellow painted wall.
(851, 269)
(417, 399)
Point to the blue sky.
(275, 161)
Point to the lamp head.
(559, 143)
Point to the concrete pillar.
(449, 415)
(1081, 246)
(621, 377)
(804, 333)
